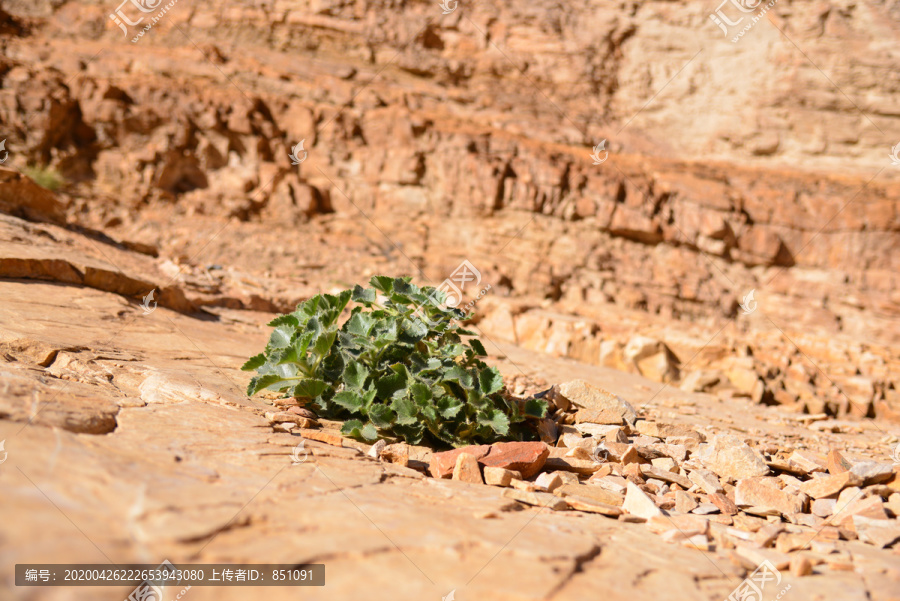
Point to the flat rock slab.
(442, 464)
(596, 405)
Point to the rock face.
(731, 457)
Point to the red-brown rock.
(526, 458)
(442, 464)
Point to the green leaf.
(383, 284)
(421, 393)
(349, 400)
(360, 324)
(281, 337)
(285, 320)
(323, 343)
(258, 383)
(495, 420)
(381, 416)
(478, 347)
(407, 412)
(309, 388)
(536, 407)
(388, 385)
(355, 374)
(254, 362)
(490, 380)
(458, 374)
(449, 406)
(363, 295)
(355, 429)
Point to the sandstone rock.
(684, 502)
(830, 486)
(442, 464)
(878, 532)
(706, 480)
(755, 492)
(687, 525)
(548, 481)
(637, 503)
(650, 471)
(538, 499)
(596, 405)
(823, 507)
(376, 449)
(397, 453)
(872, 472)
(836, 464)
(497, 476)
(589, 491)
(466, 469)
(723, 503)
(592, 506)
(664, 431)
(730, 457)
(527, 458)
(331, 437)
(808, 462)
(801, 566)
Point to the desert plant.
(46, 177)
(397, 367)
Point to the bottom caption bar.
(168, 574)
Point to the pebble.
(548, 481)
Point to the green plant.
(397, 367)
(46, 177)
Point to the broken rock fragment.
(596, 405)
(731, 457)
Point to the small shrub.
(391, 370)
(46, 177)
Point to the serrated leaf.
(459, 374)
(421, 393)
(323, 343)
(355, 374)
(383, 284)
(388, 385)
(478, 347)
(360, 324)
(449, 406)
(254, 362)
(490, 380)
(349, 400)
(281, 337)
(495, 420)
(285, 320)
(381, 415)
(363, 295)
(258, 383)
(536, 408)
(309, 387)
(406, 410)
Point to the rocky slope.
(429, 139)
